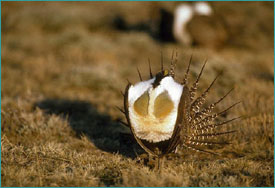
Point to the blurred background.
(65, 63)
(104, 40)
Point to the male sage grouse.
(163, 114)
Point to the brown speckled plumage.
(195, 126)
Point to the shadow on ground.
(84, 118)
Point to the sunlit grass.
(63, 67)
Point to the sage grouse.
(198, 24)
(163, 113)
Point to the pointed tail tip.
(150, 69)
(161, 61)
(140, 77)
(128, 82)
(122, 111)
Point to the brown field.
(63, 66)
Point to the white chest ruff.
(151, 127)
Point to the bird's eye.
(141, 104)
(163, 105)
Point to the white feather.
(203, 8)
(183, 14)
(151, 128)
(135, 91)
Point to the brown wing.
(182, 124)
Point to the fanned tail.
(185, 81)
(206, 111)
(208, 119)
(195, 85)
(173, 64)
(196, 105)
(202, 130)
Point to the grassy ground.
(63, 66)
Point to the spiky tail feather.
(201, 129)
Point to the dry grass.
(63, 66)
